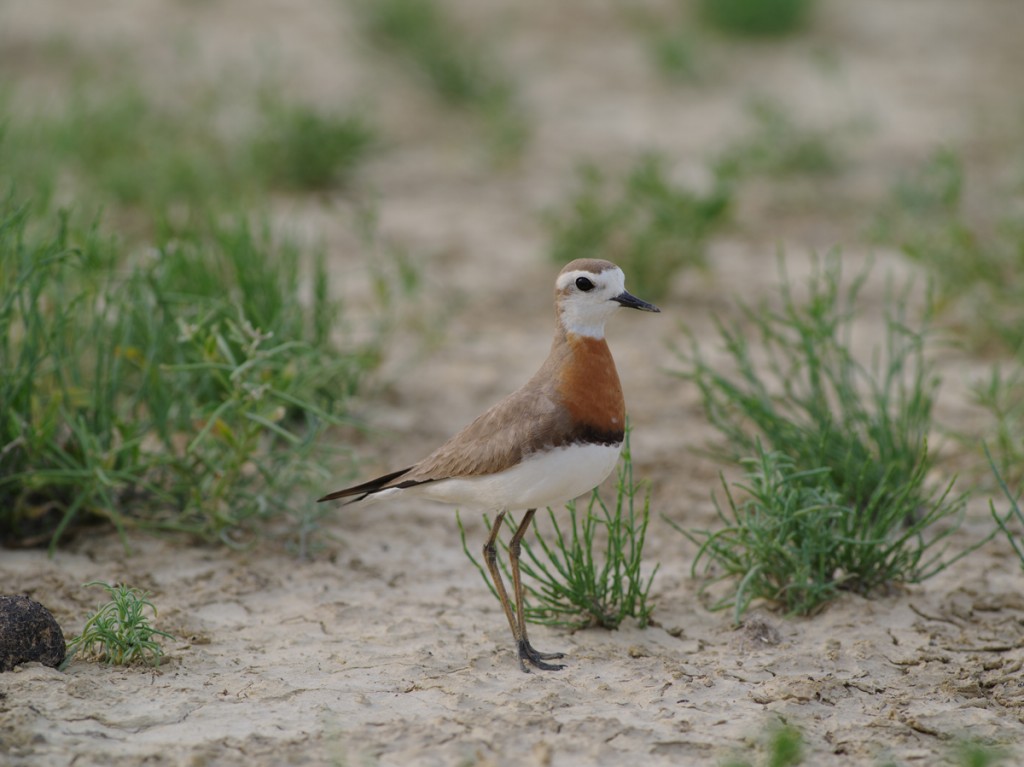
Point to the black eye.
(584, 284)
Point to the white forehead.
(608, 281)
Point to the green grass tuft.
(978, 266)
(460, 73)
(1002, 395)
(569, 582)
(1011, 524)
(116, 146)
(308, 150)
(122, 147)
(777, 146)
(970, 752)
(675, 53)
(756, 18)
(645, 223)
(783, 746)
(838, 498)
(422, 31)
(184, 391)
(118, 632)
(795, 542)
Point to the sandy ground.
(386, 648)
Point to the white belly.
(543, 479)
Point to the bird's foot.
(527, 653)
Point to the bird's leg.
(526, 651)
(491, 557)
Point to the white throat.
(588, 329)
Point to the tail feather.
(369, 488)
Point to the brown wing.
(525, 421)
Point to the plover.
(557, 437)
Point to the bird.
(552, 440)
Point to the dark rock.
(28, 632)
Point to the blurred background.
(356, 176)
(253, 249)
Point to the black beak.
(632, 302)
